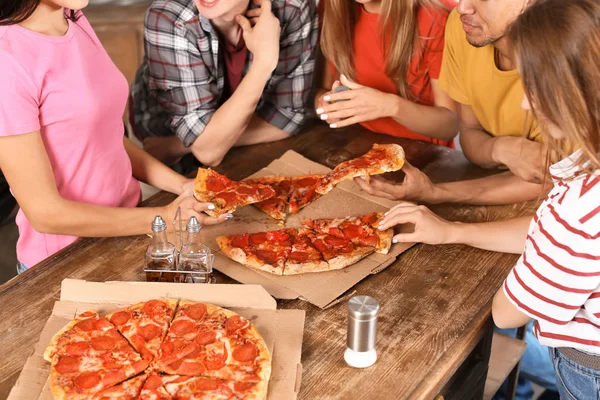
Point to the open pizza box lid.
(282, 330)
(322, 289)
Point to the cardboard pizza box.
(282, 330)
(322, 289)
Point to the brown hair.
(557, 45)
(16, 11)
(398, 24)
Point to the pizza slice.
(89, 355)
(128, 390)
(145, 324)
(154, 389)
(225, 194)
(265, 251)
(303, 191)
(380, 159)
(276, 206)
(362, 230)
(339, 252)
(203, 388)
(304, 256)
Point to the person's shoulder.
(177, 11)
(287, 10)
(431, 21)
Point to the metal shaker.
(362, 331)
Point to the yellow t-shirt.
(470, 76)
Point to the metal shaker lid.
(159, 224)
(193, 226)
(363, 308)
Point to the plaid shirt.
(181, 83)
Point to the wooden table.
(434, 327)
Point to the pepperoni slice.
(372, 241)
(195, 311)
(277, 236)
(359, 162)
(235, 323)
(111, 363)
(140, 365)
(103, 325)
(333, 241)
(228, 197)
(113, 377)
(153, 382)
(243, 386)
(87, 380)
(250, 190)
(241, 241)
(103, 343)
(214, 364)
(149, 331)
(120, 318)
(216, 183)
(67, 364)
(299, 256)
(191, 368)
(258, 238)
(207, 384)
(245, 352)
(204, 338)
(320, 245)
(370, 219)
(77, 348)
(155, 307)
(307, 181)
(337, 232)
(86, 325)
(269, 256)
(348, 248)
(182, 327)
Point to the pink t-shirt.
(69, 89)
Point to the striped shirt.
(557, 279)
(181, 82)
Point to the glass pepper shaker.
(195, 258)
(161, 255)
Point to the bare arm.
(504, 236)
(438, 121)
(25, 163)
(476, 143)
(151, 171)
(260, 131)
(505, 314)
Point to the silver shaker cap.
(193, 226)
(159, 224)
(363, 308)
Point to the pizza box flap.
(282, 331)
(322, 288)
(249, 296)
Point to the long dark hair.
(557, 45)
(16, 11)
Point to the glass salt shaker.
(195, 258)
(161, 255)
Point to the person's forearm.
(151, 171)
(478, 147)
(499, 189)
(65, 217)
(260, 131)
(230, 121)
(503, 236)
(431, 121)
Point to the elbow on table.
(209, 158)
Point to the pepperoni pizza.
(321, 245)
(161, 350)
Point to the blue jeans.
(574, 381)
(536, 366)
(21, 268)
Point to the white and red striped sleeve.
(560, 267)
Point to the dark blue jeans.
(574, 381)
(21, 268)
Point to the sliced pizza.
(303, 191)
(304, 256)
(276, 206)
(362, 231)
(128, 390)
(227, 195)
(89, 355)
(265, 251)
(202, 388)
(154, 389)
(339, 252)
(145, 324)
(380, 159)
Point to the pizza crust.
(294, 268)
(385, 241)
(344, 260)
(249, 260)
(51, 349)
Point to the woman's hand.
(416, 186)
(359, 104)
(429, 228)
(190, 207)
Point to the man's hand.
(167, 149)
(525, 158)
(262, 37)
(416, 186)
(359, 104)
